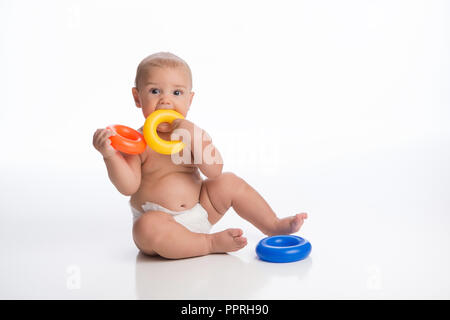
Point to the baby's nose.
(165, 103)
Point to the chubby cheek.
(147, 106)
(182, 109)
(146, 111)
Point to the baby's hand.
(102, 142)
(182, 124)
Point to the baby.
(173, 207)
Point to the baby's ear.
(190, 98)
(135, 93)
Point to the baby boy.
(173, 207)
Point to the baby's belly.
(177, 191)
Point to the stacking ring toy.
(285, 248)
(152, 138)
(127, 140)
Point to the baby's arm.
(209, 168)
(124, 170)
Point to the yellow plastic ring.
(151, 136)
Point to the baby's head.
(163, 81)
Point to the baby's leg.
(227, 190)
(157, 232)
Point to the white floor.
(379, 228)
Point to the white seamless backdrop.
(342, 75)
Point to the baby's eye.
(178, 92)
(154, 91)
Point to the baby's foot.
(227, 241)
(289, 225)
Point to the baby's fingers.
(100, 136)
(106, 133)
(96, 138)
(104, 139)
(96, 133)
(110, 132)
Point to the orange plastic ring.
(127, 140)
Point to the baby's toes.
(297, 222)
(235, 232)
(240, 241)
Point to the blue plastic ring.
(284, 248)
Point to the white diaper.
(194, 219)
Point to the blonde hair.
(160, 59)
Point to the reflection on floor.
(219, 276)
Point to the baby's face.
(164, 88)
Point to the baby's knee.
(230, 180)
(228, 185)
(147, 230)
